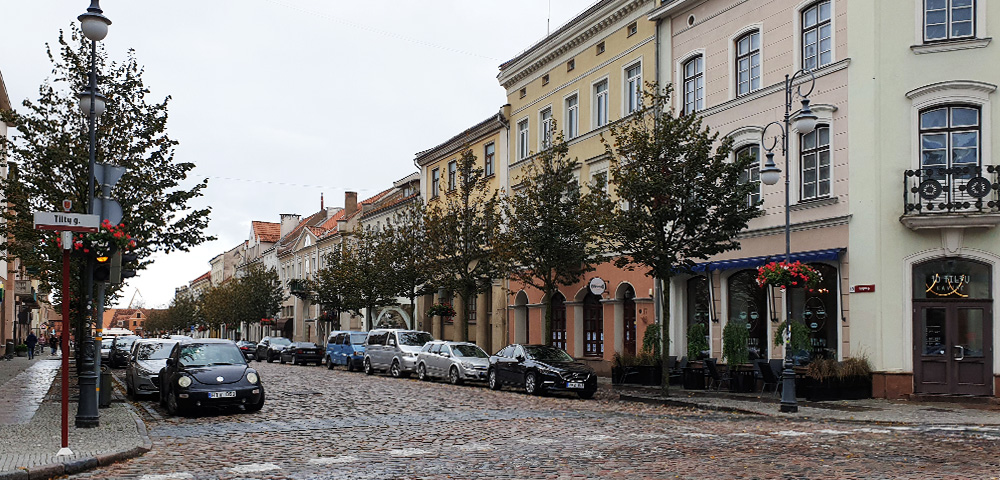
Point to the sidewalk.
(30, 419)
(874, 411)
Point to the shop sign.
(862, 288)
(597, 286)
(22, 288)
(948, 284)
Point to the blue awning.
(754, 262)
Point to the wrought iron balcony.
(957, 197)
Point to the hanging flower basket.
(108, 239)
(441, 310)
(789, 275)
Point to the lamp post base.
(788, 402)
(789, 408)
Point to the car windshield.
(414, 339)
(204, 354)
(471, 351)
(306, 345)
(358, 338)
(547, 354)
(106, 343)
(153, 351)
(124, 344)
(280, 341)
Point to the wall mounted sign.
(862, 288)
(948, 285)
(597, 286)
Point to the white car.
(456, 361)
(106, 349)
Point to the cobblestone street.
(334, 424)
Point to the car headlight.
(467, 365)
(359, 354)
(252, 377)
(184, 382)
(409, 354)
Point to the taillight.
(299, 351)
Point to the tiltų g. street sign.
(66, 222)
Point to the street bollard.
(105, 387)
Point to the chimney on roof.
(350, 203)
(288, 223)
(321, 201)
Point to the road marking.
(834, 432)
(475, 447)
(595, 438)
(408, 452)
(254, 467)
(699, 435)
(872, 430)
(790, 433)
(168, 476)
(332, 460)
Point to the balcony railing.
(957, 197)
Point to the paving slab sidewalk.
(31, 418)
(875, 411)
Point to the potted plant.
(21, 350)
(693, 377)
(441, 310)
(828, 379)
(643, 369)
(736, 352)
(788, 275)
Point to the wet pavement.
(319, 423)
(21, 395)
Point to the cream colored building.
(924, 91)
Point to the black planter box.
(637, 375)
(742, 381)
(693, 378)
(836, 389)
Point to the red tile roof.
(204, 276)
(267, 231)
(331, 223)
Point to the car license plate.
(221, 394)
(574, 384)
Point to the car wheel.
(295, 360)
(256, 358)
(394, 369)
(531, 385)
(257, 406)
(493, 381)
(281, 359)
(453, 376)
(329, 363)
(368, 367)
(586, 394)
(350, 365)
(129, 391)
(270, 357)
(422, 373)
(173, 407)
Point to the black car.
(268, 348)
(302, 352)
(209, 372)
(248, 348)
(121, 349)
(540, 368)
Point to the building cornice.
(471, 135)
(951, 85)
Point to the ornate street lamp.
(805, 123)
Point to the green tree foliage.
(358, 275)
(407, 244)
(219, 304)
(554, 226)
(243, 300)
(681, 199)
(50, 156)
(465, 245)
(183, 312)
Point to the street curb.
(52, 470)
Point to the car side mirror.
(445, 355)
(519, 358)
(170, 362)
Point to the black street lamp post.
(805, 123)
(95, 27)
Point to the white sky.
(277, 101)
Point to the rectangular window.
(570, 65)
(633, 88)
(633, 28)
(522, 139)
(949, 19)
(435, 182)
(600, 48)
(694, 85)
(545, 134)
(748, 63)
(470, 309)
(815, 163)
(601, 104)
(817, 31)
(452, 175)
(524, 92)
(572, 117)
(489, 157)
(599, 181)
(545, 79)
(752, 173)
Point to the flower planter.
(637, 375)
(742, 380)
(852, 388)
(22, 353)
(693, 378)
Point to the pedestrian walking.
(31, 341)
(53, 344)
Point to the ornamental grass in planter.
(736, 352)
(829, 379)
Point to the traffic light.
(102, 269)
(122, 266)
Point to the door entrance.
(628, 317)
(954, 349)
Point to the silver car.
(394, 350)
(456, 361)
(149, 356)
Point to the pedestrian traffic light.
(102, 270)
(122, 266)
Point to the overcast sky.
(278, 101)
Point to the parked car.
(248, 348)
(147, 358)
(177, 337)
(209, 372)
(106, 349)
(394, 350)
(346, 348)
(121, 349)
(269, 348)
(302, 352)
(456, 361)
(540, 368)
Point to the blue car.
(346, 348)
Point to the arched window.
(593, 326)
(817, 36)
(559, 321)
(628, 321)
(748, 63)
(949, 137)
(816, 177)
(752, 173)
(748, 304)
(697, 301)
(694, 85)
(817, 310)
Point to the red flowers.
(783, 274)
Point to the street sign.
(111, 208)
(862, 288)
(67, 222)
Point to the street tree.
(358, 275)
(466, 247)
(219, 306)
(681, 198)
(50, 154)
(258, 295)
(408, 247)
(555, 227)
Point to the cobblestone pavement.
(321, 424)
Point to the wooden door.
(628, 339)
(953, 348)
